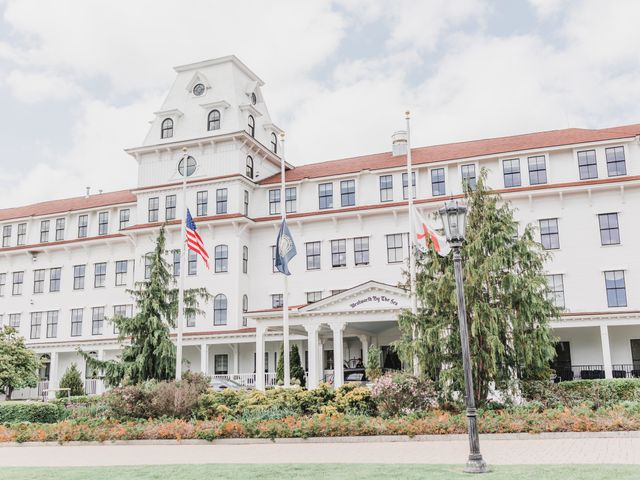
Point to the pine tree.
(72, 380)
(507, 299)
(18, 364)
(280, 366)
(295, 367)
(148, 352)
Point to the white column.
(204, 359)
(364, 341)
(338, 354)
(312, 346)
(236, 359)
(100, 381)
(606, 351)
(259, 358)
(320, 359)
(53, 375)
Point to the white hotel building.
(65, 265)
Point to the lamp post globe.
(454, 220)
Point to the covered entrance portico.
(339, 329)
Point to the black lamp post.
(454, 216)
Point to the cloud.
(29, 87)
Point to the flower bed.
(530, 420)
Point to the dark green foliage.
(18, 364)
(149, 353)
(35, 412)
(73, 380)
(373, 371)
(296, 372)
(508, 308)
(597, 393)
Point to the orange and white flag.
(423, 232)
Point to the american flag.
(194, 241)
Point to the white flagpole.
(412, 234)
(285, 294)
(183, 256)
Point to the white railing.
(270, 379)
(247, 379)
(90, 386)
(28, 393)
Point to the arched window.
(221, 255)
(249, 166)
(245, 259)
(213, 122)
(245, 304)
(220, 310)
(251, 123)
(166, 130)
(274, 143)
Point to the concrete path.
(497, 450)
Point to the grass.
(310, 472)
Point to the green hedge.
(598, 393)
(35, 412)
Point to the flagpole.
(183, 237)
(285, 294)
(412, 234)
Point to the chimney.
(88, 192)
(399, 143)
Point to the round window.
(191, 166)
(198, 90)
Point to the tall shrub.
(296, 372)
(73, 380)
(373, 370)
(18, 364)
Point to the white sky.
(79, 79)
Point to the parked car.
(220, 384)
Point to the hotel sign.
(374, 300)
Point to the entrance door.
(390, 359)
(562, 363)
(635, 357)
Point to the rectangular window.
(469, 176)
(274, 202)
(3, 282)
(191, 320)
(83, 222)
(154, 206)
(587, 164)
(221, 258)
(556, 289)
(290, 197)
(221, 364)
(125, 214)
(537, 170)
(6, 236)
(97, 320)
(616, 289)
(148, 259)
(54, 279)
(14, 320)
(38, 281)
(313, 255)
(100, 275)
(245, 259)
(52, 324)
(44, 231)
(325, 195)
(394, 248)
(313, 297)
(549, 236)
(348, 193)
(511, 171)
(386, 188)
(103, 223)
(170, 207)
(338, 253)
(437, 182)
(361, 250)
(121, 272)
(405, 185)
(76, 322)
(202, 203)
(78, 276)
(60, 222)
(246, 203)
(609, 229)
(192, 262)
(18, 280)
(615, 161)
(36, 325)
(22, 234)
(125, 311)
(176, 263)
(276, 300)
(221, 200)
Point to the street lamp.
(453, 216)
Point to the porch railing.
(247, 379)
(625, 370)
(93, 386)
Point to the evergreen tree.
(72, 380)
(373, 370)
(18, 364)
(507, 300)
(148, 351)
(295, 367)
(280, 366)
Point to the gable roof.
(68, 205)
(455, 151)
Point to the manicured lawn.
(334, 472)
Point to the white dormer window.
(251, 125)
(249, 166)
(166, 129)
(199, 89)
(274, 143)
(213, 120)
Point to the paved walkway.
(497, 450)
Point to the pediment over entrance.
(368, 296)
